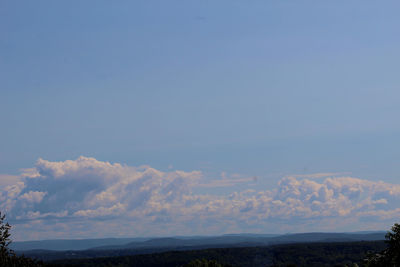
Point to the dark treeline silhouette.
(389, 256)
(7, 256)
(362, 253)
(306, 254)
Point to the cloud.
(319, 175)
(229, 180)
(33, 196)
(88, 198)
(6, 179)
(87, 187)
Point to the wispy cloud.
(6, 179)
(226, 180)
(86, 197)
(319, 175)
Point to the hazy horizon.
(165, 118)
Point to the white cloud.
(319, 175)
(79, 196)
(33, 196)
(228, 180)
(6, 180)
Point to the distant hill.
(248, 240)
(302, 254)
(71, 244)
(92, 248)
(134, 243)
(322, 237)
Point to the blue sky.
(237, 89)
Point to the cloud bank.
(90, 198)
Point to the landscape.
(308, 249)
(199, 133)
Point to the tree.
(393, 241)
(7, 256)
(204, 263)
(391, 255)
(4, 236)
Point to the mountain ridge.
(191, 241)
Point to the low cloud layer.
(90, 198)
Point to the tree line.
(348, 254)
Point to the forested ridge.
(362, 253)
(307, 254)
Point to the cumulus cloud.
(33, 196)
(319, 175)
(86, 197)
(87, 187)
(6, 179)
(229, 180)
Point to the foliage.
(4, 236)
(391, 255)
(204, 263)
(304, 254)
(301, 254)
(393, 241)
(7, 256)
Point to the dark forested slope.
(303, 254)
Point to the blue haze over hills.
(199, 241)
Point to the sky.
(197, 117)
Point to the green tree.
(5, 240)
(4, 233)
(390, 257)
(7, 255)
(393, 241)
(204, 263)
